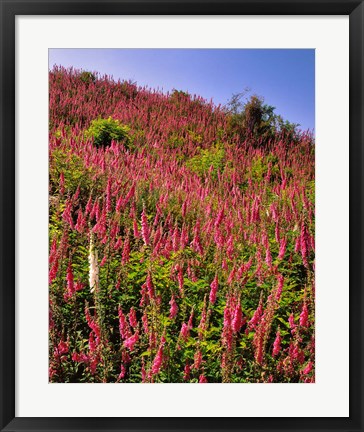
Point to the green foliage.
(103, 131)
(175, 141)
(288, 129)
(74, 170)
(87, 77)
(236, 104)
(254, 118)
(260, 166)
(266, 193)
(207, 158)
(179, 95)
(195, 138)
(129, 89)
(181, 100)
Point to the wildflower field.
(181, 239)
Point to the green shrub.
(175, 141)
(196, 138)
(103, 131)
(201, 163)
(87, 77)
(74, 171)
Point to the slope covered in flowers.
(186, 255)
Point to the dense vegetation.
(181, 238)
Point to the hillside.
(183, 250)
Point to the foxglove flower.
(214, 285)
(277, 344)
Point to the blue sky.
(285, 78)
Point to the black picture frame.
(8, 10)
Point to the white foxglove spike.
(94, 266)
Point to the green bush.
(201, 163)
(175, 141)
(87, 77)
(103, 131)
(252, 118)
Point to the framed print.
(181, 205)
